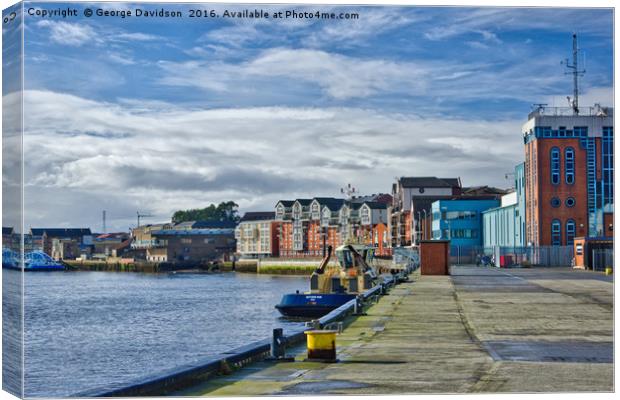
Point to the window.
(326, 217)
(280, 211)
(580, 131)
(556, 233)
(555, 202)
(570, 232)
(555, 166)
(297, 211)
(315, 210)
(569, 165)
(570, 202)
(365, 215)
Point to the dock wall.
(225, 363)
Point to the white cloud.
(70, 34)
(78, 34)
(340, 77)
(372, 23)
(343, 77)
(486, 21)
(159, 158)
(136, 37)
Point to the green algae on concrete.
(436, 335)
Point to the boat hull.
(35, 268)
(310, 305)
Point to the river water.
(88, 329)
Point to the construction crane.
(141, 216)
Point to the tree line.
(225, 211)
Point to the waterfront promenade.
(478, 330)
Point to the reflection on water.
(87, 329)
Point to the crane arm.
(321, 268)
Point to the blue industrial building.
(460, 220)
(505, 225)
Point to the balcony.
(148, 244)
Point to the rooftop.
(542, 110)
(258, 216)
(193, 232)
(62, 232)
(429, 182)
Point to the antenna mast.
(348, 190)
(104, 227)
(574, 70)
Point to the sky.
(162, 114)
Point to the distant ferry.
(332, 287)
(33, 261)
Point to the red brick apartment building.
(568, 174)
(308, 226)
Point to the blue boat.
(310, 305)
(33, 261)
(332, 287)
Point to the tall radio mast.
(576, 72)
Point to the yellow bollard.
(608, 270)
(321, 345)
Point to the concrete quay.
(478, 330)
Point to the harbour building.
(411, 205)
(256, 235)
(505, 225)
(568, 174)
(460, 220)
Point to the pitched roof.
(214, 224)
(7, 230)
(334, 204)
(61, 232)
(452, 181)
(185, 224)
(354, 205)
(112, 235)
(482, 190)
(286, 203)
(429, 181)
(376, 205)
(329, 201)
(304, 202)
(258, 216)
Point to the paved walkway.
(479, 330)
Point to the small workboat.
(331, 287)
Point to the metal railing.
(602, 258)
(547, 256)
(568, 111)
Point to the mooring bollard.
(321, 345)
(278, 347)
(358, 307)
(277, 343)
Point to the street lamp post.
(417, 231)
(424, 229)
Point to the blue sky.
(162, 114)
